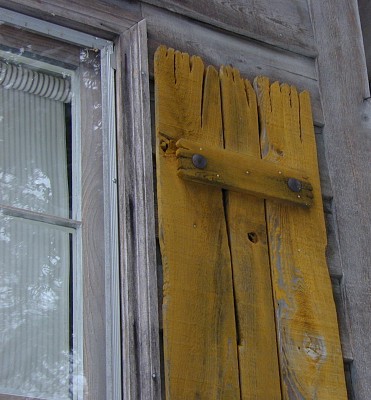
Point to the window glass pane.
(33, 151)
(40, 330)
(35, 320)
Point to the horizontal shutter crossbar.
(243, 173)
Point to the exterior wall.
(312, 44)
(326, 57)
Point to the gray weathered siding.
(283, 23)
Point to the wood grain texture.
(343, 318)
(332, 249)
(92, 215)
(334, 263)
(140, 329)
(257, 347)
(326, 188)
(200, 343)
(242, 173)
(333, 255)
(344, 86)
(284, 24)
(47, 49)
(307, 330)
(104, 18)
(216, 48)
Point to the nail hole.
(253, 237)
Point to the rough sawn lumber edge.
(140, 330)
(245, 215)
(307, 329)
(200, 344)
(242, 173)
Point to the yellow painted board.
(242, 173)
(257, 348)
(308, 340)
(200, 344)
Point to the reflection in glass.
(33, 156)
(36, 356)
(34, 309)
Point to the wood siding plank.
(217, 48)
(200, 344)
(257, 347)
(345, 96)
(284, 24)
(308, 338)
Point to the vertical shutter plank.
(308, 340)
(257, 348)
(200, 345)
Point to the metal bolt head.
(294, 185)
(199, 161)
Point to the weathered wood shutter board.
(200, 344)
(219, 311)
(309, 349)
(241, 172)
(258, 363)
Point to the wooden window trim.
(141, 354)
(105, 19)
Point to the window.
(59, 286)
(37, 263)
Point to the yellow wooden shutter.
(248, 309)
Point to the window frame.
(140, 316)
(129, 232)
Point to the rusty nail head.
(199, 161)
(294, 185)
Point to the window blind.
(18, 77)
(34, 257)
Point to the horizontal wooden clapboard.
(250, 57)
(274, 22)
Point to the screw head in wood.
(199, 161)
(294, 185)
